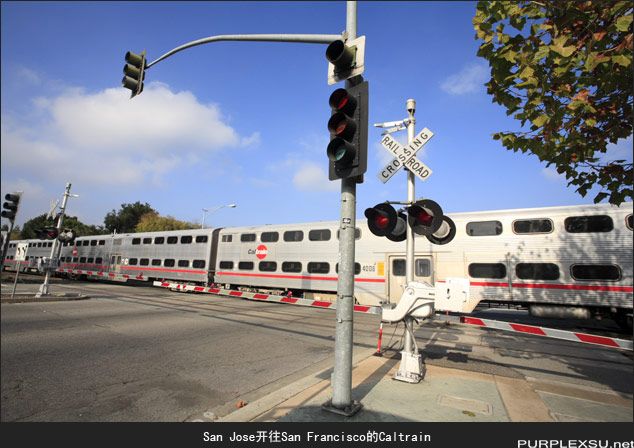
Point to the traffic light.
(346, 59)
(348, 127)
(11, 206)
(134, 71)
(383, 220)
(67, 236)
(445, 233)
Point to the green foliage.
(564, 69)
(152, 222)
(127, 218)
(30, 228)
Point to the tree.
(153, 222)
(30, 228)
(565, 68)
(127, 218)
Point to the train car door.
(115, 263)
(397, 279)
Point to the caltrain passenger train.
(571, 261)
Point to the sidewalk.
(444, 395)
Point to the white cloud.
(106, 138)
(312, 177)
(468, 80)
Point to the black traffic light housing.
(425, 217)
(134, 72)
(348, 126)
(383, 220)
(445, 233)
(11, 206)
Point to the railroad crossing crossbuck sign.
(406, 156)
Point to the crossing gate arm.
(574, 336)
(365, 309)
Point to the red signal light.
(381, 221)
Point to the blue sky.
(245, 122)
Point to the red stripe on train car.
(298, 277)
(528, 329)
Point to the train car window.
(90, 260)
(628, 222)
(537, 271)
(269, 237)
(93, 242)
(319, 235)
(50, 244)
(487, 270)
(186, 239)
(133, 261)
(147, 240)
(357, 268)
(291, 266)
(159, 240)
(144, 261)
(172, 239)
(82, 259)
(227, 238)
(247, 237)
(98, 260)
(293, 235)
(357, 233)
(318, 267)
(609, 272)
(422, 268)
(183, 263)
(136, 241)
(85, 243)
(588, 224)
(226, 265)
(74, 259)
(168, 262)
(201, 239)
(398, 267)
(102, 242)
(533, 226)
(39, 244)
(199, 264)
(484, 228)
(267, 266)
(245, 265)
(156, 261)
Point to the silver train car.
(571, 261)
(36, 251)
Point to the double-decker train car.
(573, 261)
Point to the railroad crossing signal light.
(134, 71)
(11, 206)
(67, 236)
(425, 217)
(47, 233)
(348, 127)
(445, 233)
(383, 220)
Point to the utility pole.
(341, 402)
(44, 290)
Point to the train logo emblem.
(261, 251)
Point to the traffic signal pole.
(341, 402)
(44, 290)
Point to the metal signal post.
(44, 286)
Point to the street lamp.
(214, 209)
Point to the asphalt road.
(149, 354)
